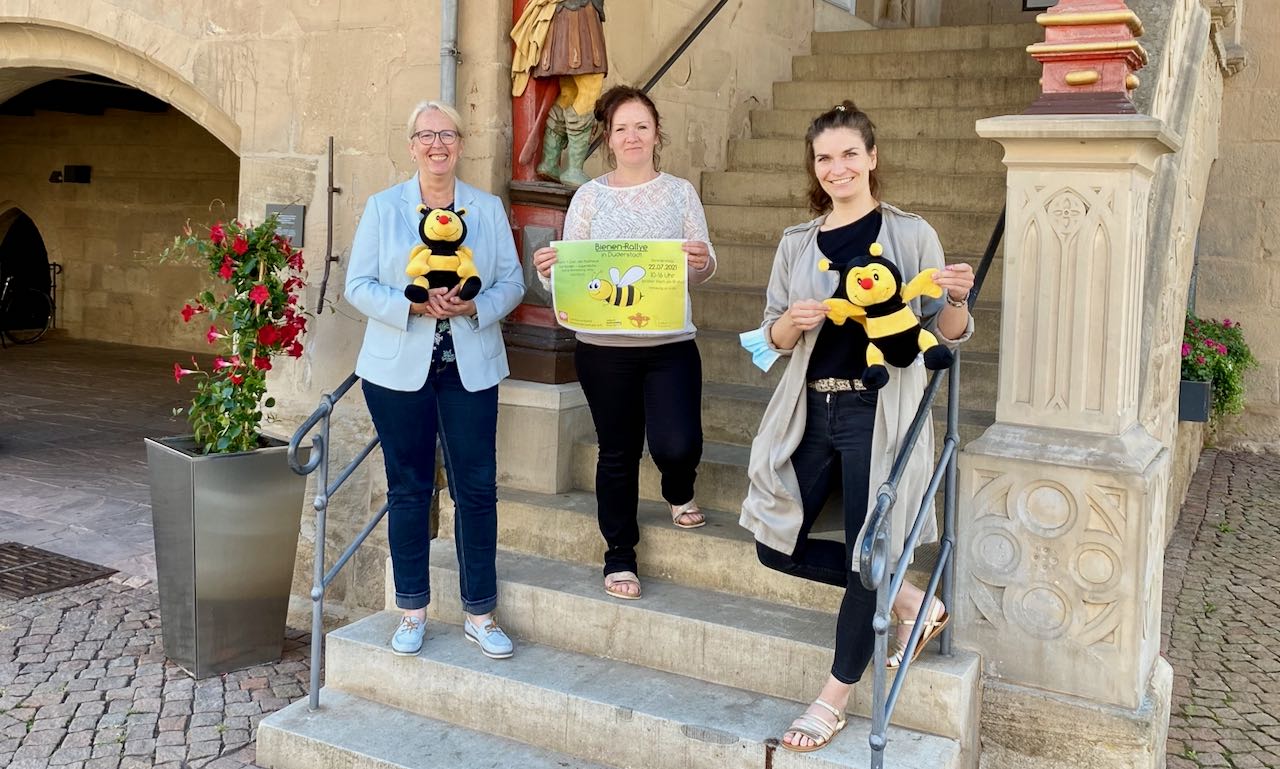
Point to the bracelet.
(956, 303)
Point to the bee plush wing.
(632, 275)
(922, 285)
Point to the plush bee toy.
(878, 300)
(441, 261)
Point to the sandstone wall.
(151, 174)
(1238, 270)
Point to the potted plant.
(225, 505)
(1215, 358)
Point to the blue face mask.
(755, 343)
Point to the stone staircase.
(718, 655)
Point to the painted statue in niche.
(562, 39)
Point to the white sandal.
(809, 725)
(689, 508)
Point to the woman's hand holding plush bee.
(956, 279)
(698, 253)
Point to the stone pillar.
(1062, 500)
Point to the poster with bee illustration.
(620, 286)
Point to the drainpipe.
(449, 55)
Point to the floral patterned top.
(442, 352)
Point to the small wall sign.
(291, 223)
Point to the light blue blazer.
(396, 352)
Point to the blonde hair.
(439, 106)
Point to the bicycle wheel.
(27, 316)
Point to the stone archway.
(44, 49)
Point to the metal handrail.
(319, 460)
(666, 65)
(873, 555)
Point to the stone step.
(818, 96)
(979, 66)
(595, 709)
(955, 192)
(720, 556)
(732, 413)
(891, 124)
(703, 634)
(961, 232)
(976, 37)
(350, 732)
(897, 155)
(726, 307)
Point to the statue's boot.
(578, 128)
(553, 141)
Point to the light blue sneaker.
(407, 639)
(492, 641)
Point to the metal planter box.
(1195, 401)
(226, 532)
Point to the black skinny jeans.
(837, 439)
(633, 391)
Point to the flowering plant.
(253, 316)
(1216, 352)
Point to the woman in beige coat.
(822, 423)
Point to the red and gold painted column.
(1090, 54)
(538, 348)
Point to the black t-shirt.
(841, 351)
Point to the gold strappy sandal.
(932, 627)
(815, 729)
(691, 510)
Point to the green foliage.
(253, 317)
(1215, 351)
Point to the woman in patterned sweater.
(639, 385)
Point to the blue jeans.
(467, 425)
(835, 449)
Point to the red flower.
(259, 294)
(292, 283)
(295, 260)
(217, 234)
(1226, 323)
(188, 311)
(240, 246)
(227, 269)
(294, 350)
(236, 379)
(179, 372)
(291, 299)
(262, 363)
(268, 335)
(221, 362)
(1186, 349)
(213, 334)
(1200, 359)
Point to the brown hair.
(608, 104)
(844, 115)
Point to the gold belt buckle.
(835, 385)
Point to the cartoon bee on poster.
(618, 291)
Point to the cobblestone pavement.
(1222, 616)
(84, 684)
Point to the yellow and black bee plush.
(441, 261)
(878, 300)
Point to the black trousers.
(836, 443)
(634, 392)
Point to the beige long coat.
(772, 510)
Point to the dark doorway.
(23, 255)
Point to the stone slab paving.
(73, 471)
(1222, 616)
(84, 684)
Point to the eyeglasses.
(427, 137)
